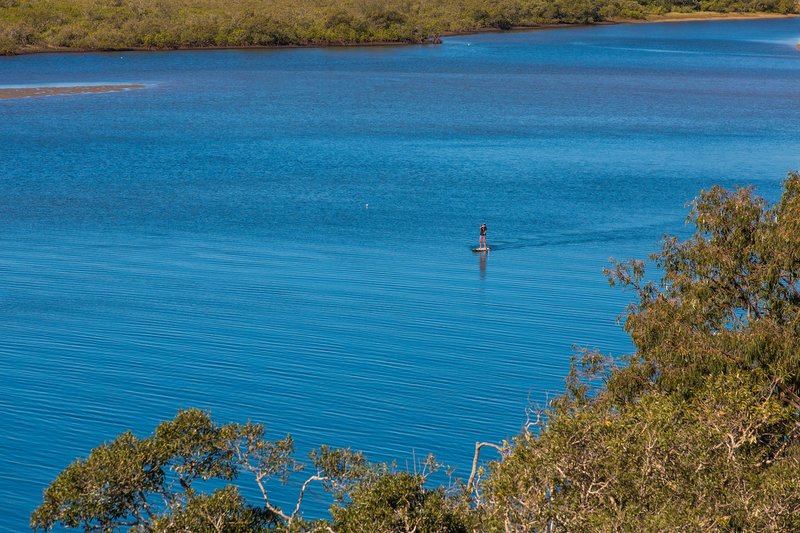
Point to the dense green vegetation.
(120, 24)
(697, 430)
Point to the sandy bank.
(704, 15)
(27, 92)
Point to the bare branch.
(302, 493)
(478, 446)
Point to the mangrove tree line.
(162, 24)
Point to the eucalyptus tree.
(161, 483)
(698, 429)
(152, 483)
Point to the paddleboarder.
(483, 236)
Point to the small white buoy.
(366, 206)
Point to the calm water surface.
(206, 242)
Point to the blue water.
(206, 241)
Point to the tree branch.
(302, 493)
(478, 446)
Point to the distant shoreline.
(710, 15)
(667, 17)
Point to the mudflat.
(27, 92)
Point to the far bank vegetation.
(27, 25)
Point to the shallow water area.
(286, 236)
(8, 92)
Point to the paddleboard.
(480, 249)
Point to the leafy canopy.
(698, 429)
(156, 484)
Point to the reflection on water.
(207, 242)
(483, 256)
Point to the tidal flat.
(7, 93)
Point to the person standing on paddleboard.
(483, 236)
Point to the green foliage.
(8, 44)
(377, 497)
(224, 510)
(660, 463)
(112, 24)
(398, 501)
(697, 430)
(728, 299)
(138, 483)
(154, 484)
